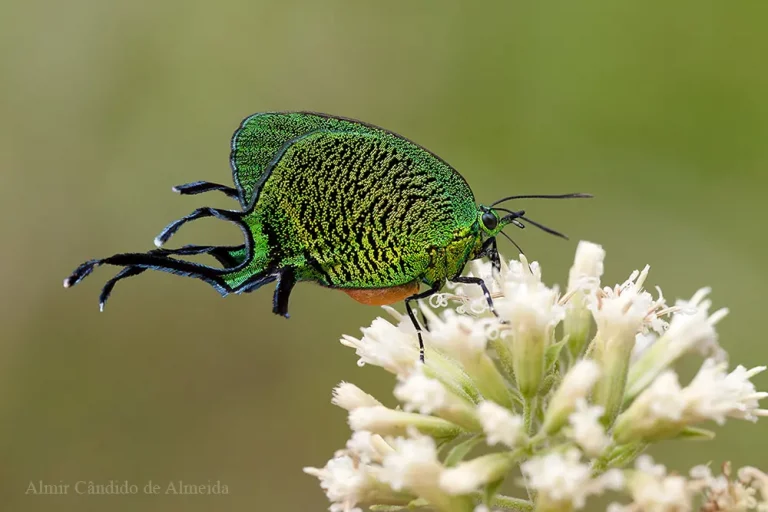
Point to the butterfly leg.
(481, 284)
(153, 260)
(424, 320)
(223, 254)
(174, 226)
(285, 282)
(240, 273)
(490, 250)
(418, 296)
(106, 291)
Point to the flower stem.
(529, 413)
(509, 503)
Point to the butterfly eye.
(490, 221)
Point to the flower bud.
(691, 329)
(471, 475)
(413, 466)
(465, 339)
(500, 425)
(564, 482)
(664, 409)
(583, 279)
(575, 386)
(532, 312)
(389, 422)
(620, 314)
(429, 396)
(350, 397)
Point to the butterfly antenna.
(544, 228)
(576, 195)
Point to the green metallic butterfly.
(338, 202)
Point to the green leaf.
(550, 381)
(461, 450)
(553, 352)
(619, 457)
(695, 434)
(490, 491)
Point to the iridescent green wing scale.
(366, 206)
(260, 136)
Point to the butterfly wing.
(260, 136)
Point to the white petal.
(499, 424)
(421, 393)
(350, 397)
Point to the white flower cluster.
(651, 487)
(569, 387)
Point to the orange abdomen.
(382, 296)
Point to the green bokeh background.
(658, 108)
